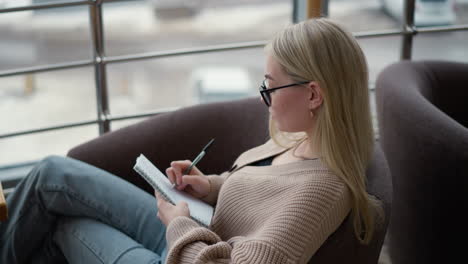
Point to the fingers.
(177, 168)
(191, 179)
(171, 175)
(159, 204)
(195, 171)
(199, 185)
(160, 201)
(176, 174)
(168, 212)
(174, 179)
(196, 182)
(162, 204)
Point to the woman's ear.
(315, 95)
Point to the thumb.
(183, 204)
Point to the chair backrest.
(3, 205)
(237, 126)
(342, 246)
(423, 117)
(181, 134)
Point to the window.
(72, 69)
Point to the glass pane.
(427, 12)
(362, 15)
(143, 86)
(440, 1)
(45, 99)
(144, 26)
(36, 146)
(14, 3)
(380, 52)
(443, 46)
(124, 123)
(39, 37)
(461, 12)
(434, 12)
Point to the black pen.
(196, 160)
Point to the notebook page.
(199, 210)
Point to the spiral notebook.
(199, 210)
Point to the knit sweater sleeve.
(191, 244)
(292, 233)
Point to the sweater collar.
(269, 149)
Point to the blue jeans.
(67, 211)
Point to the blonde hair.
(322, 51)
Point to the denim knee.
(53, 161)
(50, 170)
(85, 240)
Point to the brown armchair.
(237, 126)
(423, 121)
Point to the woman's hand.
(195, 183)
(167, 212)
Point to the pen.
(196, 160)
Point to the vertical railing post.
(325, 8)
(307, 9)
(408, 30)
(314, 8)
(97, 32)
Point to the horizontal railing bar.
(435, 29)
(442, 28)
(33, 131)
(187, 51)
(46, 5)
(11, 174)
(378, 33)
(214, 48)
(141, 115)
(113, 1)
(51, 67)
(17, 165)
(90, 122)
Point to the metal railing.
(100, 60)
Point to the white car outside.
(212, 84)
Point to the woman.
(278, 205)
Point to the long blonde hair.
(323, 51)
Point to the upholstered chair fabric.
(422, 111)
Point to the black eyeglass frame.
(265, 92)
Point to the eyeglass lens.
(266, 95)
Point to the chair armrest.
(3, 207)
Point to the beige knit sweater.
(265, 214)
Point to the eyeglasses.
(265, 92)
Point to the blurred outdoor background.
(43, 37)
